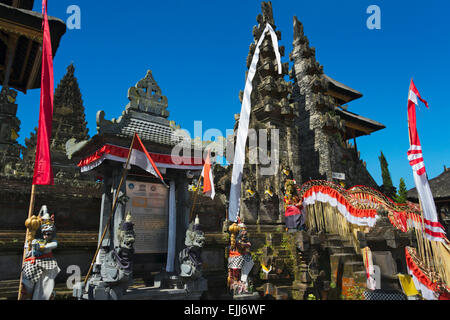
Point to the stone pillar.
(172, 234)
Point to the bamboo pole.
(30, 213)
(116, 197)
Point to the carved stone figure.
(40, 267)
(190, 257)
(111, 278)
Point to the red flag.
(43, 173)
(141, 158)
(208, 179)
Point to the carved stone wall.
(272, 112)
(320, 129)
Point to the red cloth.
(43, 173)
(138, 145)
(292, 211)
(208, 180)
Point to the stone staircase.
(273, 247)
(290, 255)
(346, 265)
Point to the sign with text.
(338, 175)
(149, 206)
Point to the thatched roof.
(440, 186)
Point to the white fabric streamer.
(242, 133)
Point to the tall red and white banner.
(43, 173)
(433, 229)
(208, 178)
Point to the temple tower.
(68, 122)
(324, 124)
(272, 113)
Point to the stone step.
(340, 249)
(346, 257)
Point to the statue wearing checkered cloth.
(240, 262)
(40, 267)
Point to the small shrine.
(159, 211)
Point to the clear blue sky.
(197, 52)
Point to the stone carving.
(40, 267)
(146, 114)
(190, 257)
(146, 96)
(112, 276)
(9, 127)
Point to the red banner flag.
(208, 178)
(141, 158)
(43, 173)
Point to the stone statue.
(114, 271)
(40, 267)
(240, 261)
(190, 257)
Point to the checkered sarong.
(33, 270)
(237, 262)
(383, 295)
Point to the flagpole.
(30, 213)
(112, 211)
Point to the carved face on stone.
(126, 234)
(128, 239)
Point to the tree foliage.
(402, 195)
(387, 187)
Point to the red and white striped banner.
(433, 229)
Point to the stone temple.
(317, 133)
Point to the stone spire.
(68, 121)
(271, 111)
(68, 113)
(321, 130)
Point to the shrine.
(158, 210)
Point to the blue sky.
(197, 52)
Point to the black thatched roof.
(346, 93)
(440, 186)
(26, 24)
(23, 4)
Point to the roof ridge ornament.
(146, 97)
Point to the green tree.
(387, 188)
(402, 195)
